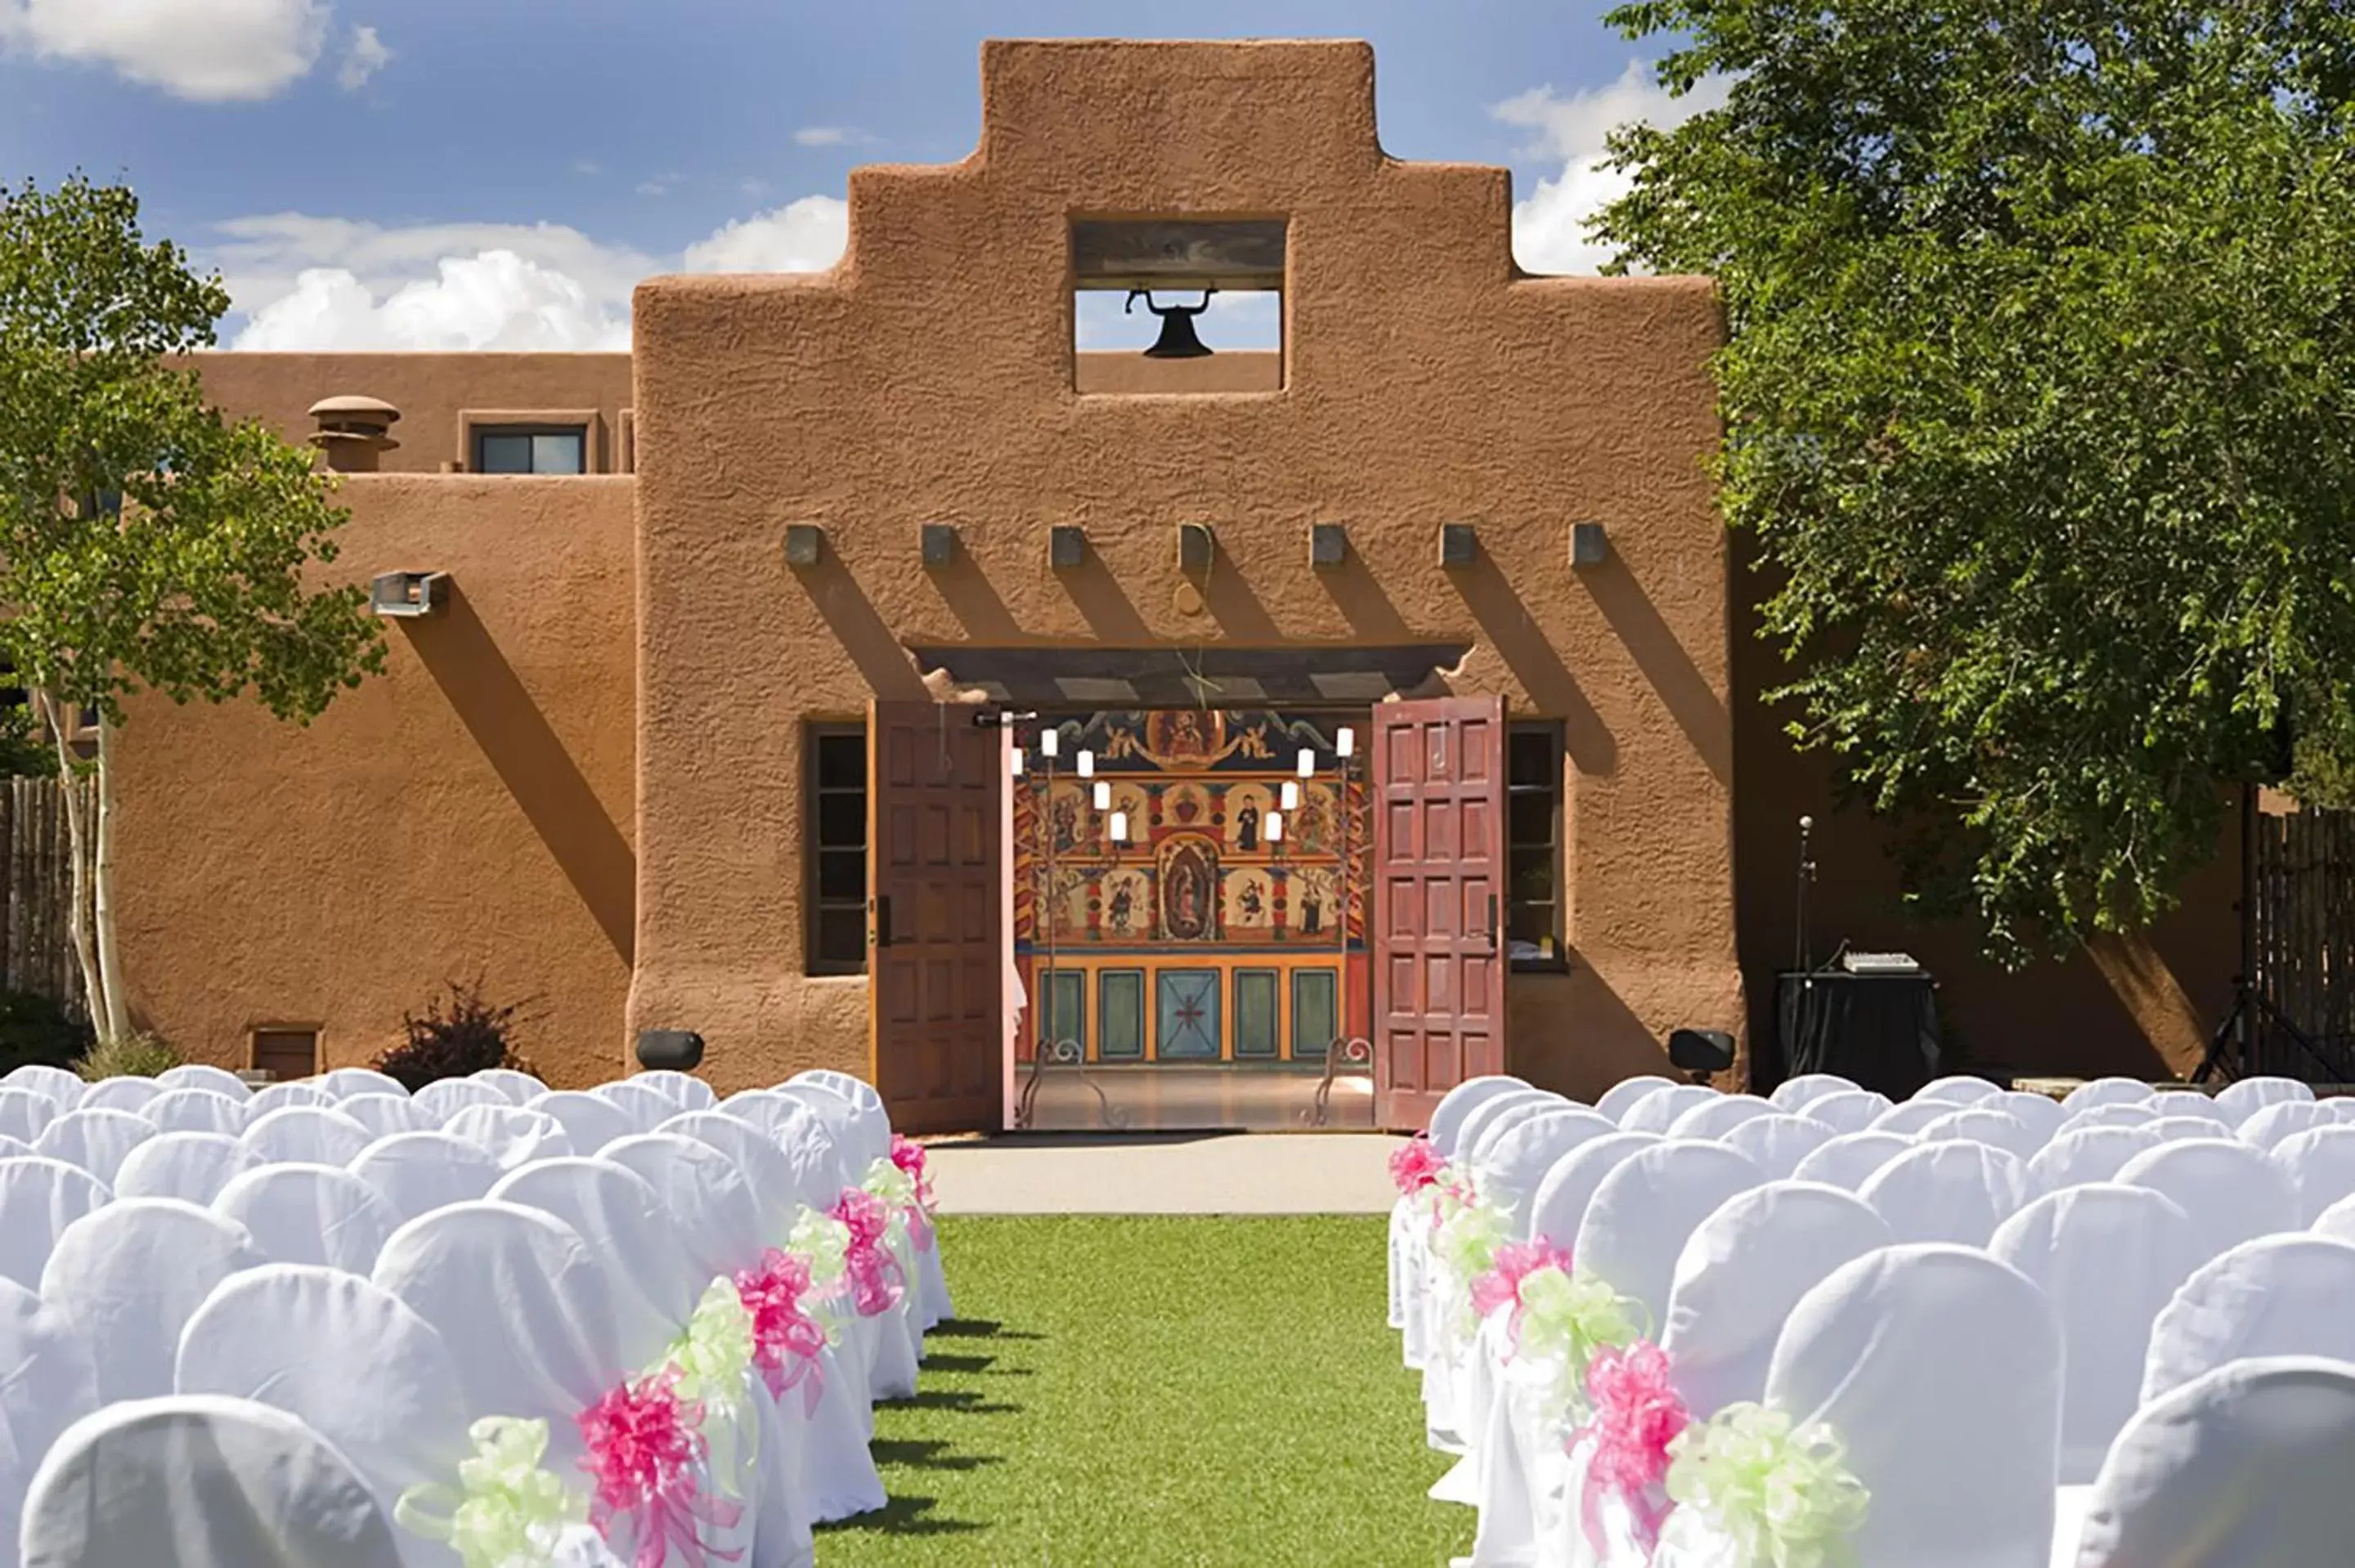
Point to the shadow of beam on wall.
(1698, 710)
(1610, 1044)
(1369, 610)
(2148, 989)
(1235, 604)
(1110, 613)
(490, 699)
(974, 601)
(1523, 645)
(888, 668)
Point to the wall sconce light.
(669, 1050)
(1195, 546)
(1328, 545)
(803, 541)
(1066, 546)
(407, 593)
(1589, 547)
(1458, 547)
(940, 544)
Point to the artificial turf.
(1134, 1391)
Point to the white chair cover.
(1958, 1089)
(1742, 1271)
(523, 1305)
(511, 1135)
(2043, 1112)
(319, 1215)
(646, 1106)
(48, 1380)
(1955, 1193)
(61, 1089)
(1940, 1370)
(2186, 1128)
(311, 1134)
(120, 1093)
(2245, 1467)
(1478, 1120)
(1643, 1211)
(1711, 1119)
(2233, 1192)
(1908, 1119)
(2108, 1091)
(1457, 1103)
(39, 1199)
(196, 1109)
(1619, 1098)
(200, 1482)
(2320, 1163)
(276, 1096)
(820, 1165)
(1658, 1111)
(1848, 1110)
(2081, 1154)
(1852, 1160)
(351, 1361)
(590, 1122)
(689, 1093)
(2108, 1257)
(419, 1172)
(2277, 1296)
(520, 1088)
(624, 1220)
(97, 1140)
(445, 1097)
(205, 1075)
(2270, 1124)
(2114, 1113)
(1559, 1207)
(2240, 1101)
(2192, 1103)
(348, 1083)
(1523, 1154)
(1778, 1142)
(15, 1149)
(849, 1084)
(191, 1166)
(781, 1186)
(1797, 1094)
(128, 1275)
(1979, 1124)
(384, 1114)
(861, 1131)
(25, 1112)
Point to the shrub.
(34, 1030)
(133, 1056)
(460, 1035)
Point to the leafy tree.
(2040, 400)
(145, 541)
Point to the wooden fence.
(2303, 934)
(37, 951)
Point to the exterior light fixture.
(669, 1050)
(1346, 744)
(407, 593)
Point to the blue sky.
(461, 174)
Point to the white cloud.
(805, 236)
(1550, 223)
(209, 51)
(494, 301)
(587, 167)
(363, 57)
(661, 184)
(827, 136)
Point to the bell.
(1178, 340)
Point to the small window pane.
(842, 820)
(842, 874)
(842, 761)
(557, 455)
(505, 454)
(1530, 817)
(842, 935)
(1531, 762)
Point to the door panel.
(1439, 880)
(934, 965)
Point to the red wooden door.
(1438, 775)
(935, 964)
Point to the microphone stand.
(1807, 875)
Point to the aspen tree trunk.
(109, 954)
(94, 992)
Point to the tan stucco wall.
(467, 814)
(929, 379)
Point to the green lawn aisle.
(1137, 1392)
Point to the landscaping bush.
(133, 1056)
(34, 1030)
(460, 1035)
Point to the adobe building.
(740, 683)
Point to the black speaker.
(1701, 1050)
(673, 1050)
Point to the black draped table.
(1877, 1031)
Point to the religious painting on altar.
(1228, 924)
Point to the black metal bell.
(1178, 339)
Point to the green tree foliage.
(2037, 402)
(145, 541)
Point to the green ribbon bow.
(1567, 1317)
(1782, 1496)
(888, 1182)
(507, 1511)
(713, 1359)
(822, 1241)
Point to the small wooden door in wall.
(934, 962)
(1438, 775)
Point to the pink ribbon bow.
(1416, 1164)
(1636, 1415)
(908, 1155)
(787, 1340)
(1501, 1286)
(873, 1274)
(644, 1443)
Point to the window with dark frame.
(837, 839)
(286, 1054)
(1533, 925)
(531, 449)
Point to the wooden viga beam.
(1177, 256)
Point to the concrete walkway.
(1165, 1173)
